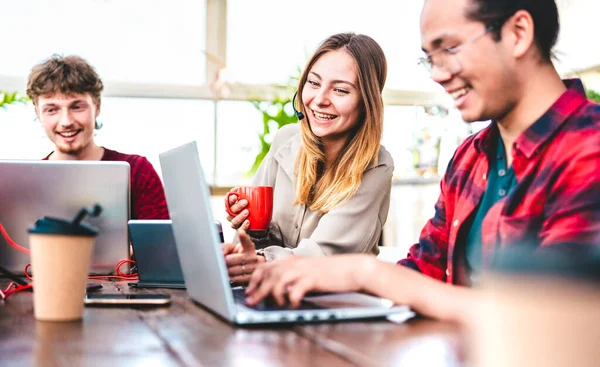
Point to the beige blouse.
(351, 227)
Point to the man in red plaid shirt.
(531, 179)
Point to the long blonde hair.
(322, 190)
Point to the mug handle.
(227, 207)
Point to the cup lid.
(50, 225)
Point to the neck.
(541, 86)
(91, 152)
(332, 150)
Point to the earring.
(98, 125)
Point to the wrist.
(261, 240)
(364, 270)
(262, 257)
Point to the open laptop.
(33, 189)
(203, 264)
(155, 254)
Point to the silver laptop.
(204, 268)
(33, 189)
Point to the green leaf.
(9, 98)
(593, 95)
(273, 111)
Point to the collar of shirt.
(541, 130)
(286, 154)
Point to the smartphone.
(119, 299)
(220, 230)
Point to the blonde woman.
(330, 174)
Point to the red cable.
(16, 289)
(10, 285)
(120, 274)
(27, 272)
(11, 242)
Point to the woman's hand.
(294, 276)
(241, 258)
(239, 207)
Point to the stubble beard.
(74, 150)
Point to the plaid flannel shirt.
(555, 205)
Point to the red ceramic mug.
(260, 205)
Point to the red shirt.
(555, 205)
(147, 193)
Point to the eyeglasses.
(445, 58)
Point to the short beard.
(75, 152)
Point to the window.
(149, 127)
(152, 41)
(237, 141)
(267, 42)
(141, 126)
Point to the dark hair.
(67, 75)
(493, 13)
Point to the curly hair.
(67, 75)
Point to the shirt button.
(502, 192)
(296, 226)
(484, 176)
(501, 172)
(447, 272)
(456, 223)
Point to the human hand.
(294, 276)
(241, 258)
(237, 207)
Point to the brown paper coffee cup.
(527, 321)
(538, 309)
(60, 266)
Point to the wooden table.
(186, 334)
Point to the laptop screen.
(30, 190)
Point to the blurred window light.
(143, 126)
(149, 41)
(266, 44)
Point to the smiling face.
(331, 96)
(481, 77)
(69, 121)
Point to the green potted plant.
(276, 114)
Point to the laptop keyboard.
(269, 303)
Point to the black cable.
(12, 276)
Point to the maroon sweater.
(147, 193)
